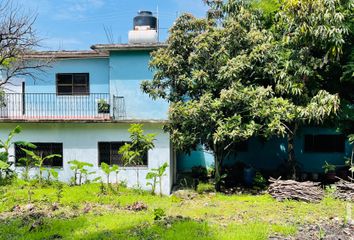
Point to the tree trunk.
(218, 156)
(137, 178)
(291, 152)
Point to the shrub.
(259, 181)
(205, 188)
(159, 214)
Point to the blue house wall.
(127, 70)
(98, 69)
(269, 155)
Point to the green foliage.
(159, 214)
(205, 188)
(156, 175)
(234, 75)
(80, 171)
(133, 153)
(328, 167)
(108, 170)
(259, 181)
(5, 164)
(39, 160)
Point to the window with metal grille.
(108, 153)
(324, 143)
(73, 84)
(42, 149)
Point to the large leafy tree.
(232, 75)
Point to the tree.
(133, 153)
(232, 75)
(17, 40)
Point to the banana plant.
(79, 169)
(156, 175)
(5, 145)
(108, 170)
(39, 160)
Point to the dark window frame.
(39, 146)
(121, 143)
(324, 143)
(73, 84)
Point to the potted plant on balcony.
(103, 106)
(330, 172)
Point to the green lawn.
(209, 216)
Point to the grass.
(208, 216)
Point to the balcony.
(50, 106)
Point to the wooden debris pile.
(293, 190)
(344, 190)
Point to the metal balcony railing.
(50, 106)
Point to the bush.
(205, 188)
(159, 214)
(259, 181)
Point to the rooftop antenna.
(109, 34)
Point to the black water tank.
(145, 18)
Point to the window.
(324, 143)
(73, 84)
(108, 153)
(43, 149)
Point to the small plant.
(108, 170)
(52, 173)
(350, 161)
(134, 152)
(205, 188)
(5, 164)
(79, 170)
(259, 182)
(156, 175)
(30, 186)
(159, 214)
(59, 186)
(103, 106)
(39, 161)
(329, 168)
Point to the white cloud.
(76, 9)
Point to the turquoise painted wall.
(270, 154)
(98, 69)
(127, 70)
(66, 106)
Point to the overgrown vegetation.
(241, 72)
(78, 212)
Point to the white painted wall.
(80, 141)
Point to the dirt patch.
(332, 229)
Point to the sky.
(78, 24)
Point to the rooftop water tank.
(145, 19)
(144, 29)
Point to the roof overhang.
(67, 54)
(128, 47)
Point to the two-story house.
(83, 105)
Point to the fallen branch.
(293, 190)
(344, 190)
